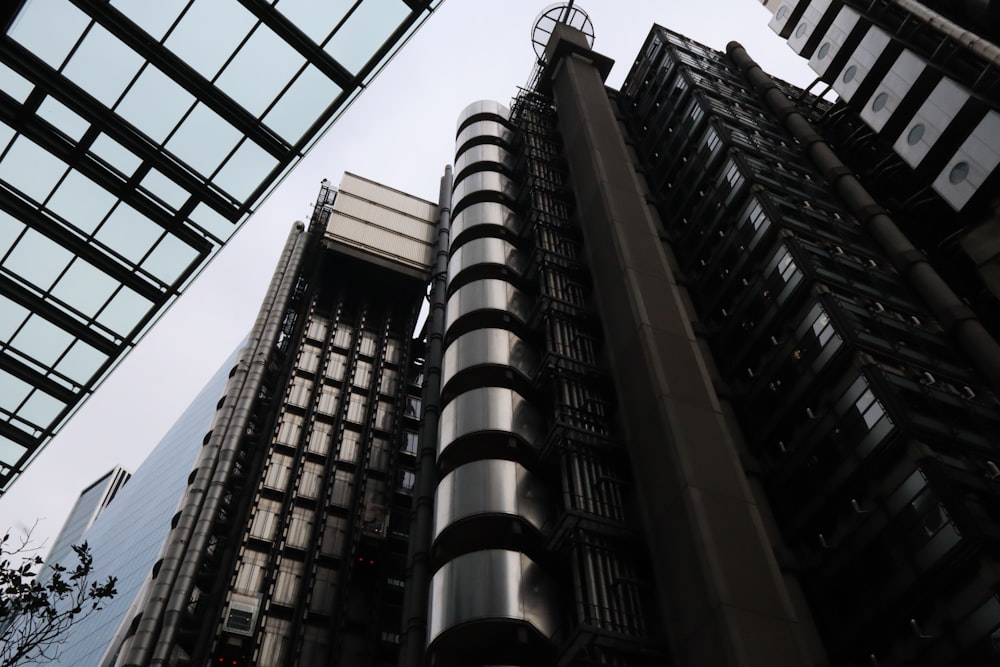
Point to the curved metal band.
(489, 347)
(483, 128)
(489, 154)
(489, 411)
(477, 218)
(488, 294)
(484, 252)
(491, 185)
(480, 108)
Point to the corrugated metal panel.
(365, 189)
(379, 241)
(400, 223)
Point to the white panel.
(931, 119)
(388, 197)
(400, 223)
(972, 164)
(782, 14)
(378, 241)
(861, 62)
(896, 84)
(834, 39)
(807, 24)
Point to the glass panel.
(164, 188)
(81, 362)
(38, 259)
(64, 119)
(316, 18)
(10, 229)
(81, 201)
(302, 104)
(49, 28)
(84, 287)
(153, 17)
(31, 169)
(208, 34)
(103, 66)
(365, 31)
(129, 233)
(13, 390)
(245, 170)
(11, 316)
(213, 222)
(203, 140)
(154, 104)
(41, 408)
(170, 259)
(14, 84)
(10, 451)
(261, 69)
(115, 154)
(124, 311)
(41, 340)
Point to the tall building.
(689, 395)
(135, 139)
(87, 508)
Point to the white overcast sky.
(399, 132)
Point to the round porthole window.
(782, 12)
(824, 50)
(801, 30)
(879, 102)
(850, 73)
(959, 172)
(915, 134)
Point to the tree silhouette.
(36, 612)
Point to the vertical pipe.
(418, 557)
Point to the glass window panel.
(364, 32)
(81, 362)
(41, 340)
(38, 259)
(10, 451)
(209, 32)
(41, 408)
(84, 287)
(31, 169)
(115, 154)
(164, 188)
(203, 140)
(245, 170)
(261, 69)
(103, 66)
(155, 104)
(302, 104)
(11, 316)
(170, 259)
(81, 201)
(129, 233)
(213, 222)
(63, 118)
(153, 17)
(124, 311)
(315, 18)
(10, 229)
(13, 390)
(14, 84)
(49, 28)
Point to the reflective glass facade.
(135, 139)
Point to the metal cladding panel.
(861, 62)
(488, 295)
(489, 347)
(482, 107)
(483, 153)
(484, 128)
(782, 15)
(489, 409)
(834, 39)
(492, 585)
(897, 83)
(486, 250)
(484, 213)
(383, 222)
(972, 164)
(931, 119)
(490, 487)
(807, 24)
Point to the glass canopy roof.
(135, 138)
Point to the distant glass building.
(87, 508)
(135, 138)
(127, 535)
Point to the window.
(299, 527)
(822, 328)
(410, 442)
(349, 446)
(869, 408)
(407, 480)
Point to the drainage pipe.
(956, 317)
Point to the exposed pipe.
(956, 317)
(185, 543)
(970, 40)
(422, 522)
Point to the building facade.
(135, 139)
